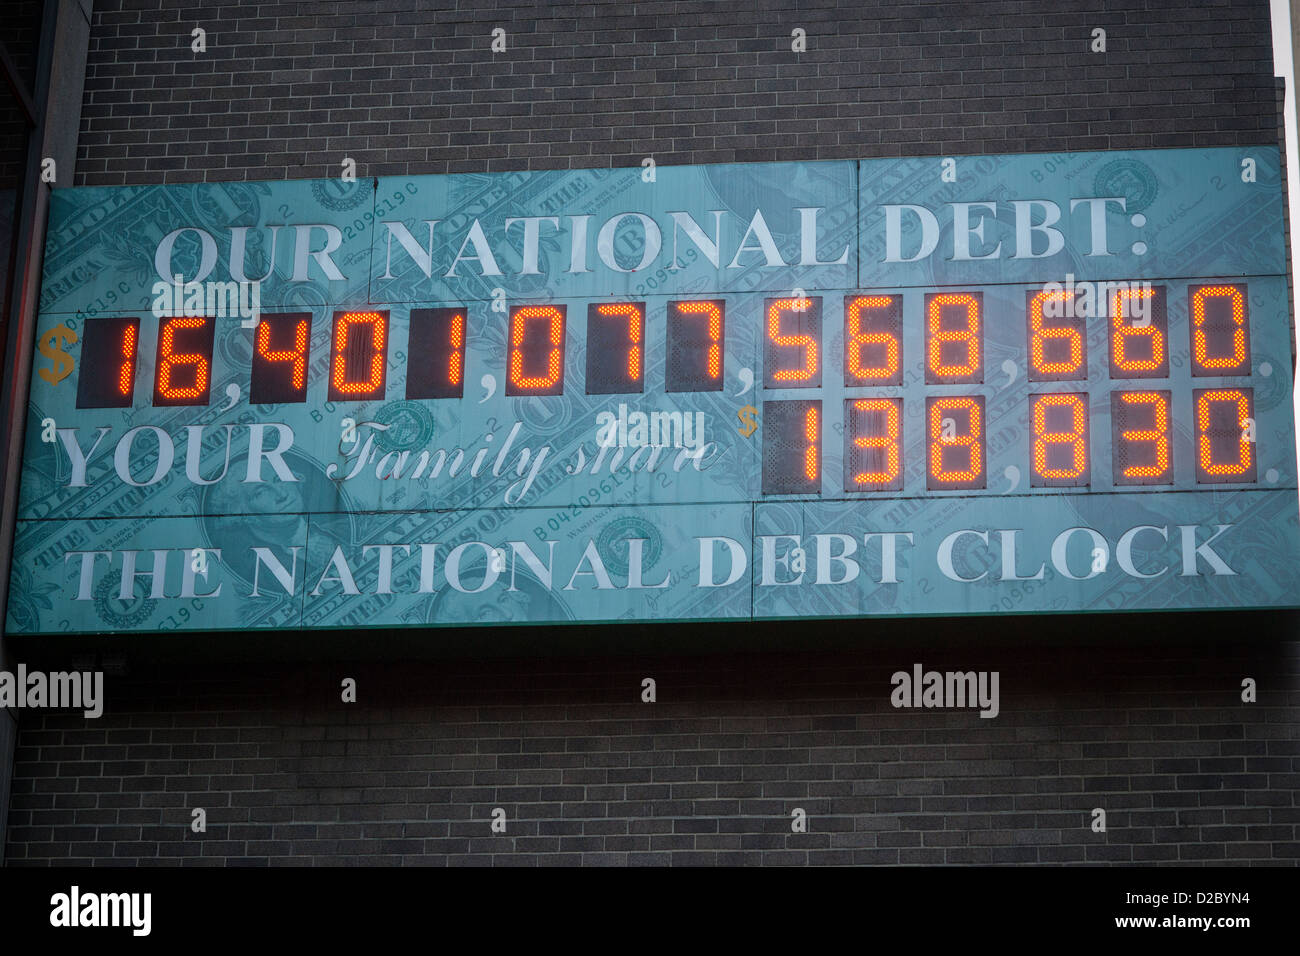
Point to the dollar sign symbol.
(51, 346)
(747, 420)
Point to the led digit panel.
(1139, 331)
(615, 348)
(281, 347)
(1059, 435)
(1141, 446)
(873, 444)
(696, 340)
(792, 451)
(109, 350)
(1219, 317)
(955, 453)
(1057, 449)
(1058, 338)
(183, 369)
(536, 357)
(792, 342)
(436, 353)
(1225, 435)
(873, 340)
(954, 338)
(359, 356)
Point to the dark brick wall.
(21, 40)
(288, 89)
(710, 773)
(1150, 728)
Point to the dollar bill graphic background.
(1201, 221)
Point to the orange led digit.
(954, 351)
(296, 356)
(1128, 357)
(1225, 435)
(1219, 312)
(812, 435)
(1139, 327)
(435, 365)
(456, 361)
(1060, 439)
(873, 456)
(790, 354)
(109, 383)
(536, 360)
(956, 426)
(714, 314)
(184, 366)
(281, 347)
(791, 447)
(633, 315)
(126, 371)
(169, 361)
(1056, 339)
(1140, 438)
(375, 370)
(615, 347)
(873, 351)
(695, 338)
(360, 356)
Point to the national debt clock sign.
(1026, 384)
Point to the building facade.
(754, 726)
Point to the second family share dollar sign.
(748, 420)
(51, 346)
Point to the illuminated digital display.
(1058, 450)
(615, 348)
(792, 447)
(954, 338)
(184, 361)
(436, 353)
(109, 380)
(536, 357)
(1058, 349)
(1225, 435)
(281, 347)
(873, 444)
(873, 340)
(955, 447)
(1140, 439)
(696, 340)
(1220, 323)
(1139, 332)
(359, 357)
(1059, 425)
(792, 342)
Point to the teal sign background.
(548, 528)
